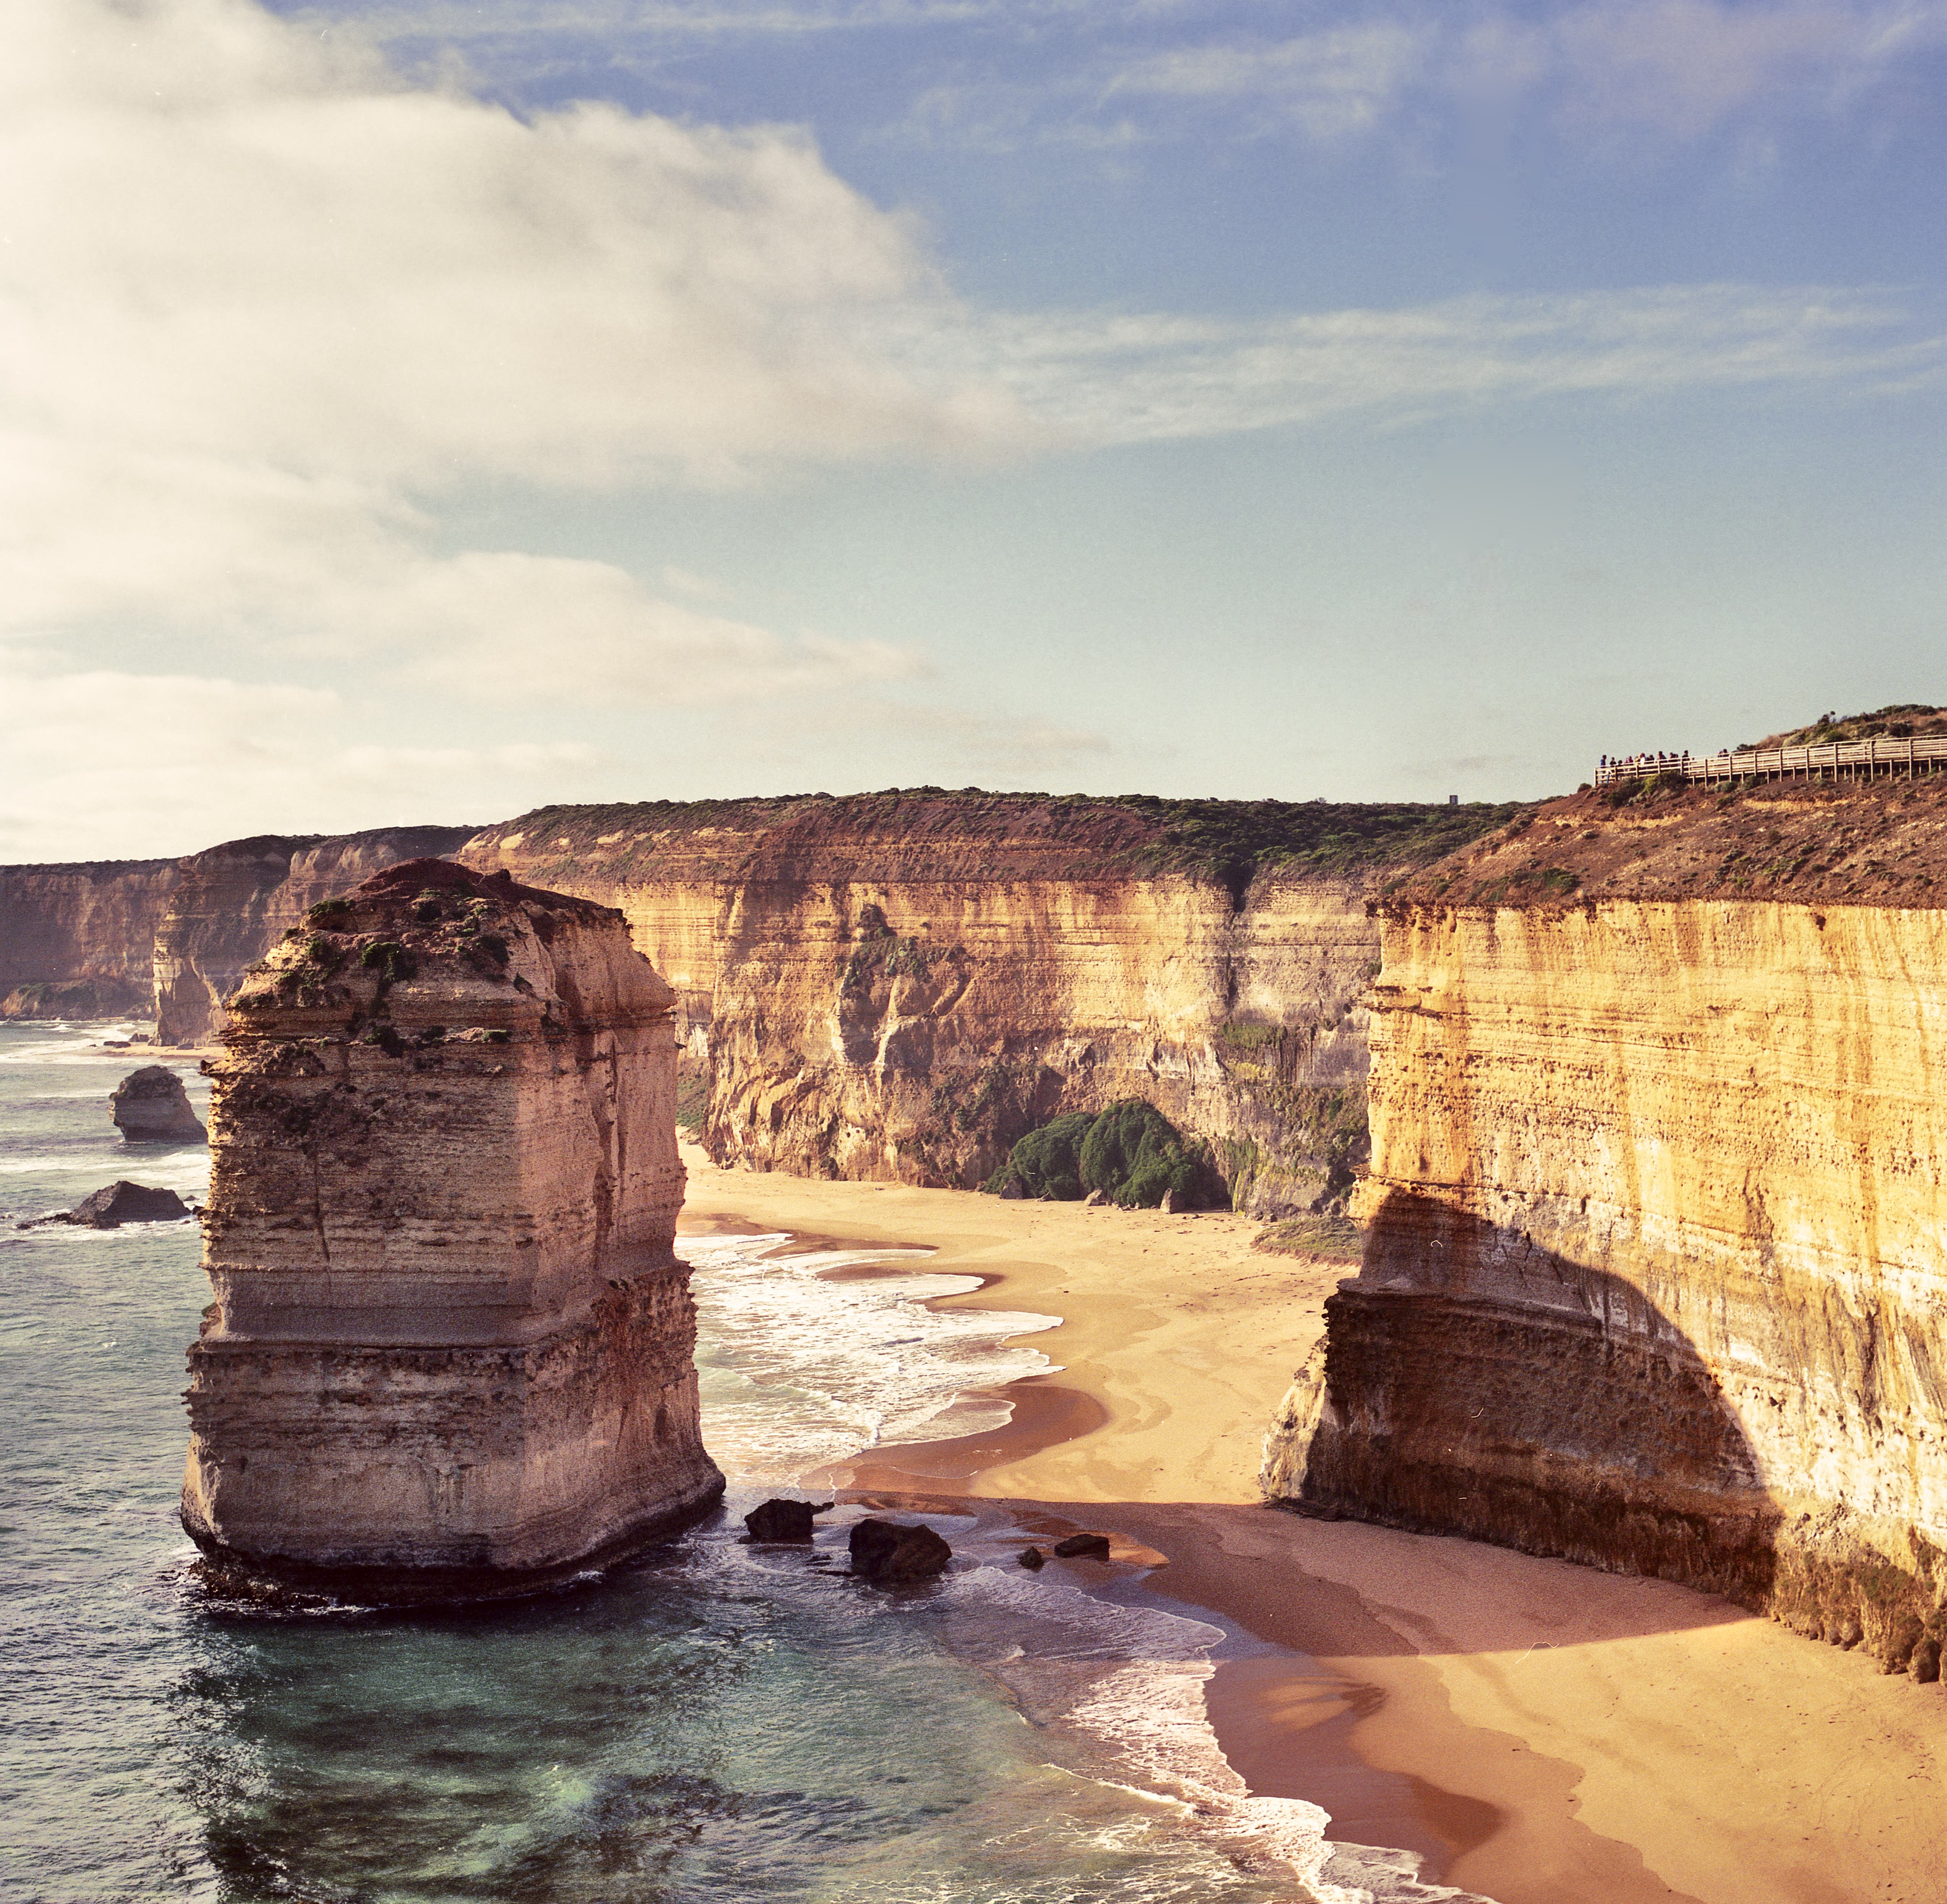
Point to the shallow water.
(720, 1721)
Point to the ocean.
(717, 1721)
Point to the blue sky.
(422, 412)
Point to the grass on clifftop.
(1229, 841)
(1881, 841)
(1897, 721)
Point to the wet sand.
(1540, 1733)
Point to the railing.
(1834, 760)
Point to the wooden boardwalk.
(1834, 760)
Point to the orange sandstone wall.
(899, 987)
(1655, 1276)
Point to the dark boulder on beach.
(121, 1203)
(1925, 1664)
(1032, 1558)
(1082, 1546)
(783, 1520)
(886, 1552)
(151, 1106)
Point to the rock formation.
(122, 1202)
(899, 985)
(450, 1346)
(1655, 1276)
(150, 1106)
(229, 906)
(889, 1553)
(783, 1520)
(77, 941)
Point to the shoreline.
(1538, 1732)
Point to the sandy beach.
(1544, 1733)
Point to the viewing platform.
(1831, 760)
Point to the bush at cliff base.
(1131, 1152)
(1047, 1163)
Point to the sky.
(418, 412)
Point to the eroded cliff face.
(450, 1347)
(1655, 1276)
(228, 906)
(899, 987)
(76, 941)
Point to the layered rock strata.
(1653, 1277)
(227, 906)
(77, 941)
(899, 985)
(450, 1347)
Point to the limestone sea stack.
(151, 1106)
(450, 1348)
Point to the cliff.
(450, 1345)
(898, 986)
(1653, 1277)
(76, 941)
(228, 906)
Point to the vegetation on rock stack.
(1131, 1152)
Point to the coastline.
(1540, 1732)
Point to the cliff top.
(1898, 722)
(974, 835)
(423, 939)
(1852, 842)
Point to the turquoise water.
(719, 1722)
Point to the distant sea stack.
(450, 1348)
(151, 1106)
(1655, 1276)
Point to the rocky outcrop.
(122, 1202)
(229, 905)
(890, 1553)
(76, 941)
(450, 1346)
(151, 1106)
(899, 985)
(1654, 1276)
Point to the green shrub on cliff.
(1131, 1152)
(1047, 1163)
(1134, 1155)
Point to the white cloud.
(1148, 378)
(517, 628)
(107, 764)
(1330, 83)
(265, 308)
(1662, 70)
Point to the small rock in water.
(119, 1203)
(781, 1520)
(150, 1106)
(885, 1552)
(1032, 1558)
(1082, 1546)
